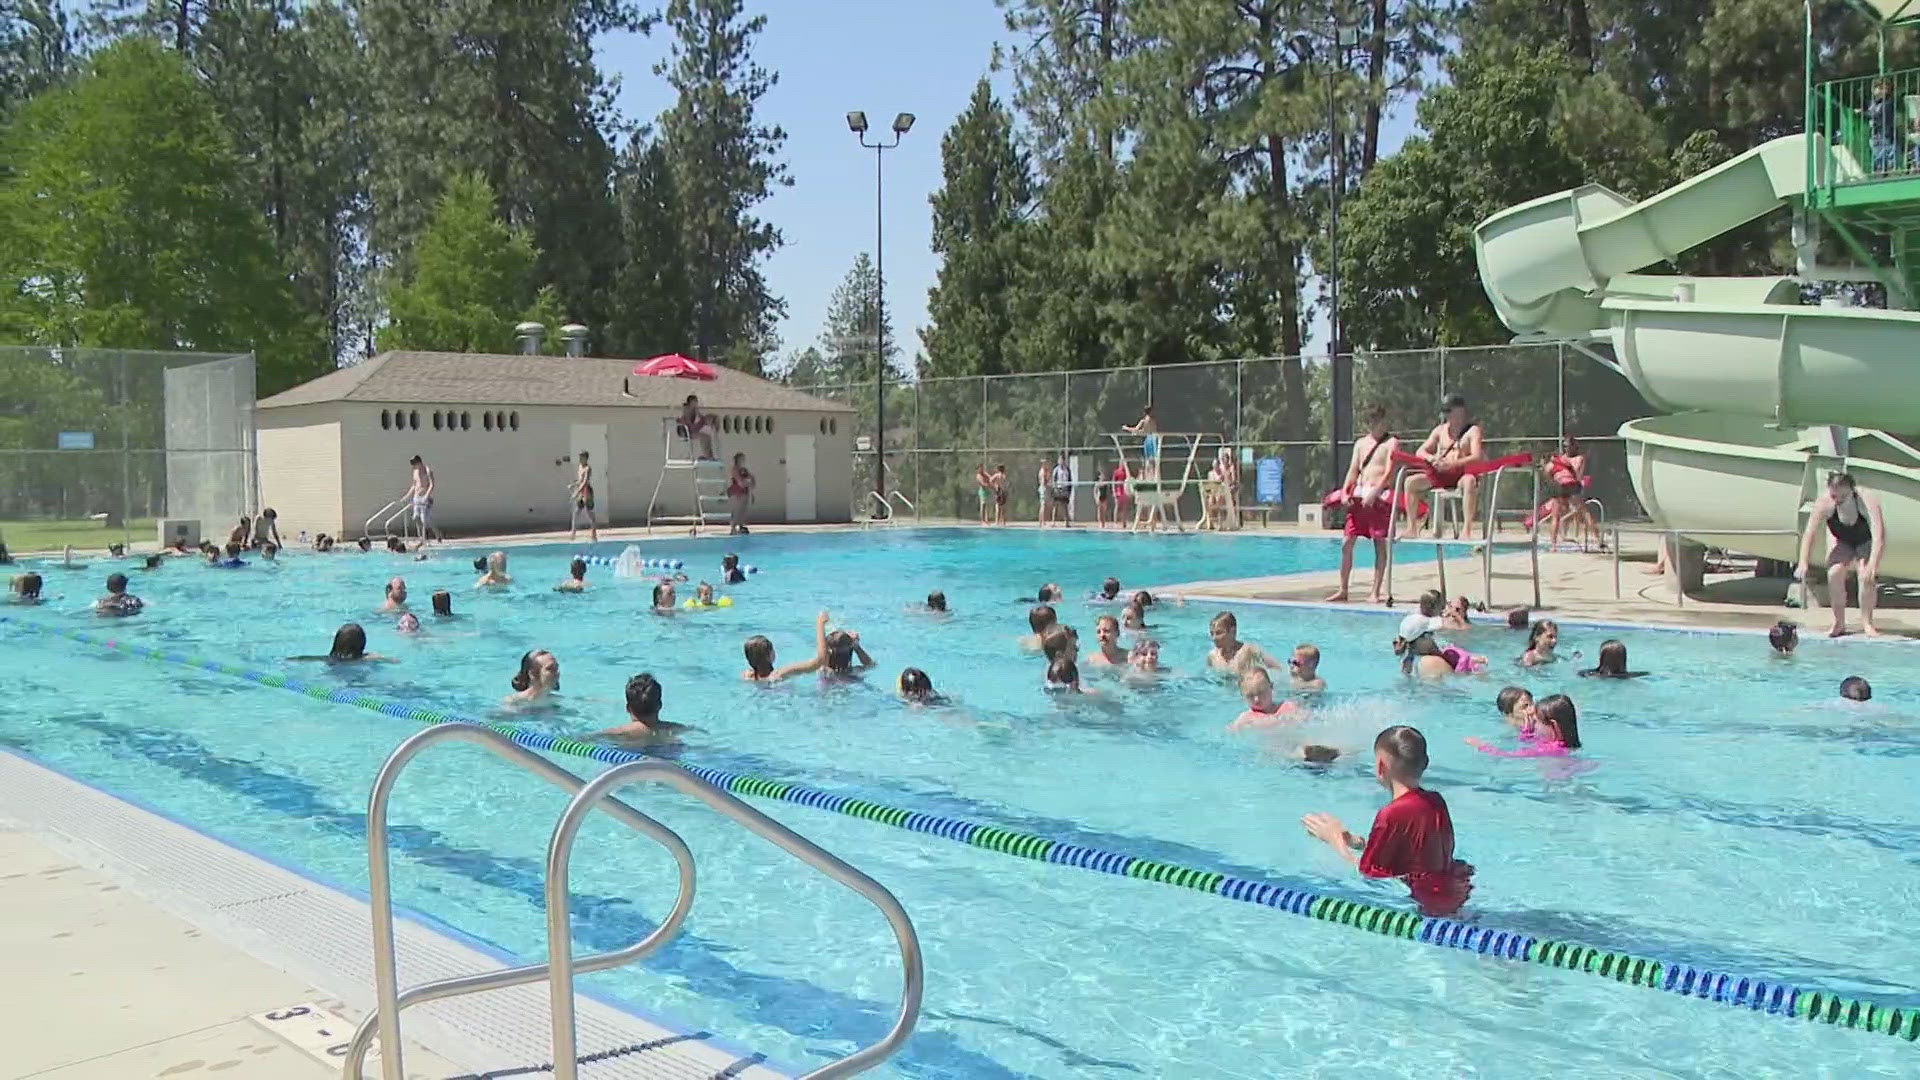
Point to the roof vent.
(575, 336)
(530, 334)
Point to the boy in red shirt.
(1412, 835)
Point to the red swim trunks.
(1370, 519)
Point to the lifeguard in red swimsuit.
(1454, 455)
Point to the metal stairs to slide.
(561, 965)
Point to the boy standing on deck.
(1412, 836)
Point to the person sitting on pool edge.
(643, 715)
(118, 602)
(1039, 620)
(833, 654)
(1412, 836)
(576, 580)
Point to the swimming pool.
(1736, 819)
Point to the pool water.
(1736, 816)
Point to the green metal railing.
(1876, 119)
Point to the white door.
(591, 439)
(801, 504)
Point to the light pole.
(857, 123)
(1339, 367)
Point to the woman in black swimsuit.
(1859, 534)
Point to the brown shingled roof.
(426, 378)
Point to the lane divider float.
(1726, 988)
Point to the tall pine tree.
(725, 162)
(849, 340)
(979, 221)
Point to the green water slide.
(1765, 394)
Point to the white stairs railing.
(710, 503)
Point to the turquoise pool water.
(1738, 817)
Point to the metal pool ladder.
(561, 965)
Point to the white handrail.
(559, 925)
(390, 1000)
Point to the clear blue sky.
(883, 56)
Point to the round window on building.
(413, 419)
(486, 420)
(436, 419)
(386, 419)
(833, 426)
(823, 425)
(465, 420)
(769, 425)
(513, 420)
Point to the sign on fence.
(76, 440)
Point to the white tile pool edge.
(323, 936)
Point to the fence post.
(1443, 375)
(1239, 370)
(1560, 402)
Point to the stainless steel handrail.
(560, 942)
(880, 504)
(398, 506)
(904, 501)
(386, 1017)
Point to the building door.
(801, 504)
(591, 439)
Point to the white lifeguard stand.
(1147, 480)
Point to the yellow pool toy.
(694, 605)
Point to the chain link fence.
(97, 445)
(1526, 398)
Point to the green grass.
(41, 535)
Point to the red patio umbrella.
(675, 366)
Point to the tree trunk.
(180, 32)
(1376, 87)
(1579, 33)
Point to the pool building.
(503, 434)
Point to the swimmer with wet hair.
(663, 599)
(495, 576)
(1256, 689)
(1063, 677)
(1855, 688)
(1516, 707)
(1039, 620)
(1110, 589)
(443, 603)
(1611, 663)
(1517, 618)
(643, 724)
(1541, 640)
(759, 653)
(1231, 654)
(1061, 641)
(834, 654)
(1304, 666)
(396, 598)
(1107, 651)
(937, 601)
(1133, 618)
(349, 647)
(539, 675)
(917, 688)
(576, 579)
(1144, 657)
(1784, 637)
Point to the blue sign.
(76, 440)
(1266, 481)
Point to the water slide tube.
(1753, 377)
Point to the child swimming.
(1061, 641)
(663, 598)
(1540, 642)
(1784, 637)
(759, 653)
(1517, 618)
(1412, 836)
(1611, 663)
(1556, 732)
(576, 579)
(495, 575)
(1134, 617)
(1256, 689)
(1040, 619)
(917, 688)
(1063, 677)
(1229, 653)
(1454, 616)
(834, 654)
(1855, 688)
(1427, 618)
(1516, 708)
(937, 601)
(1106, 635)
(1304, 665)
(1110, 589)
(443, 603)
(730, 572)
(408, 624)
(643, 723)
(539, 675)
(1144, 657)
(1428, 659)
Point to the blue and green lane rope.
(1726, 988)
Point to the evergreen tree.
(725, 162)
(652, 298)
(849, 339)
(979, 220)
(471, 279)
(111, 236)
(36, 49)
